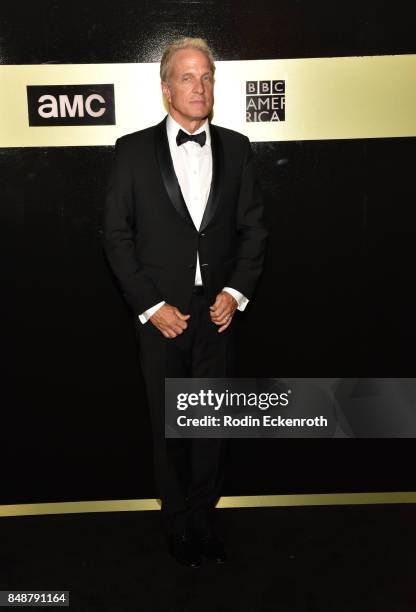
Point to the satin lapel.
(217, 178)
(168, 172)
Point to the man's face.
(190, 87)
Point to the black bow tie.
(184, 137)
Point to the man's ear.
(166, 90)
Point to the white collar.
(172, 128)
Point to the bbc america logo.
(265, 100)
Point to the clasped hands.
(171, 322)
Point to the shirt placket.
(195, 198)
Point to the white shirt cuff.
(145, 316)
(241, 299)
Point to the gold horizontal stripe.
(317, 499)
(244, 501)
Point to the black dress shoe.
(212, 547)
(184, 550)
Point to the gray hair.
(184, 43)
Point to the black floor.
(316, 559)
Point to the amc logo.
(71, 105)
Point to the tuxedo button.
(202, 235)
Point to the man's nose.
(199, 86)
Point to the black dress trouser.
(189, 472)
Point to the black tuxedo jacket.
(149, 237)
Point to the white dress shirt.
(193, 168)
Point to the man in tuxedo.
(184, 236)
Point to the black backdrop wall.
(337, 294)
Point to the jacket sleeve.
(119, 230)
(252, 234)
